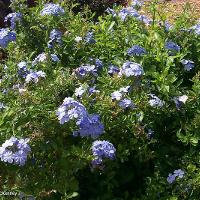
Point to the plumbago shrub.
(105, 109)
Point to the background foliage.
(59, 166)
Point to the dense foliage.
(99, 109)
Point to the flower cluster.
(55, 37)
(6, 36)
(123, 103)
(155, 101)
(90, 125)
(52, 9)
(13, 18)
(188, 64)
(102, 149)
(179, 101)
(85, 71)
(22, 69)
(177, 173)
(113, 70)
(130, 11)
(89, 38)
(126, 103)
(172, 47)
(70, 109)
(117, 95)
(83, 88)
(196, 29)
(136, 50)
(43, 58)
(40, 58)
(34, 76)
(15, 151)
(131, 69)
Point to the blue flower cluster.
(89, 125)
(117, 95)
(196, 29)
(52, 9)
(179, 101)
(126, 103)
(155, 101)
(70, 109)
(123, 103)
(89, 38)
(55, 37)
(40, 58)
(13, 18)
(102, 149)
(136, 50)
(131, 69)
(188, 64)
(131, 11)
(22, 69)
(112, 70)
(85, 88)
(6, 36)
(86, 71)
(15, 151)
(177, 173)
(34, 76)
(172, 47)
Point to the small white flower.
(78, 39)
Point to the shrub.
(105, 109)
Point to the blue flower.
(90, 125)
(15, 151)
(54, 57)
(126, 103)
(40, 58)
(86, 70)
(137, 3)
(55, 37)
(69, 110)
(113, 70)
(102, 149)
(89, 38)
(2, 106)
(150, 134)
(177, 173)
(22, 69)
(13, 18)
(6, 37)
(155, 101)
(131, 69)
(98, 63)
(188, 64)
(34, 76)
(136, 51)
(125, 89)
(111, 11)
(196, 29)
(171, 178)
(144, 19)
(52, 9)
(20, 158)
(172, 47)
(116, 95)
(80, 91)
(125, 12)
(179, 101)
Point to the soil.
(176, 6)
